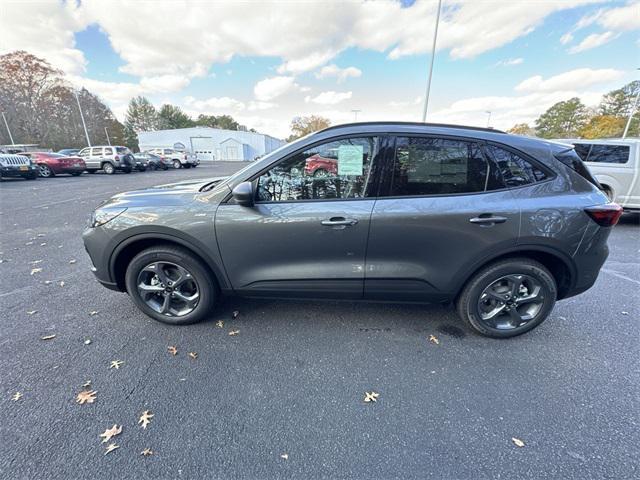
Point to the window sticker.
(350, 160)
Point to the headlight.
(102, 216)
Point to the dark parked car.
(51, 164)
(153, 162)
(501, 225)
(13, 166)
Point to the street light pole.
(8, 131)
(355, 115)
(84, 125)
(488, 112)
(633, 110)
(433, 54)
(107, 133)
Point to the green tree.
(171, 116)
(522, 129)
(301, 126)
(603, 126)
(141, 117)
(618, 103)
(562, 120)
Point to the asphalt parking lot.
(284, 396)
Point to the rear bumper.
(589, 260)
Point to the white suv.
(108, 158)
(178, 158)
(616, 165)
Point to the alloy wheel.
(177, 164)
(44, 171)
(511, 302)
(168, 289)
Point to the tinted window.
(122, 150)
(430, 166)
(515, 170)
(603, 153)
(339, 169)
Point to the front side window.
(602, 153)
(335, 170)
(83, 152)
(434, 166)
(516, 171)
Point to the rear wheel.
(320, 173)
(508, 298)
(45, 171)
(108, 168)
(170, 285)
(177, 164)
(76, 174)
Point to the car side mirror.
(243, 194)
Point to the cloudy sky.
(264, 62)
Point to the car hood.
(170, 194)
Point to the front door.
(306, 235)
(443, 206)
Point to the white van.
(616, 165)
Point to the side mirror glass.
(243, 194)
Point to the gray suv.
(501, 225)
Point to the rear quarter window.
(516, 170)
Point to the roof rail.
(413, 124)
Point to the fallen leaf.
(16, 396)
(517, 442)
(146, 452)
(47, 282)
(111, 448)
(40, 235)
(235, 314)
(145, 418)
(43, 244)
(86, 396)
(72, 261)
(93, 312)
(48, 337)
(434, 339)
(87, 341)
(285, 456)
(87, 384)
(111, 432)
(116, 364)
(29, 243)
(371, 396)
(625, 313)
(35, 262)
(172, 350)
(35, 270)
(193, 355)
(61, 283)
(220, 324)
(234, 332)
(31, 312)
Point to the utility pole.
(488, 112)
(433, 54)
(355, 115)
(633, 110)
(8, 131)
(107, 133)
(84, 125)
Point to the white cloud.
(329, 98)
(622, 18)
(592, 41)
(164, 83)
(510, 62)
(253, 106)
(566, 38)
(571, 80)
(214, 103)
(273, 87)
(309, 62)
(340, 73)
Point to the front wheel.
(45, 171)
(170, 285)
(177, 164)
(508, 298)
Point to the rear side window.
(589, 152)
(434, 166)
(108, 151)
(515, 170)
(122, 150)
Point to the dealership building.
(211, 144)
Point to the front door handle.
(339, 221)
(487, 220)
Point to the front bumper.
(15, 171)
(95, 243)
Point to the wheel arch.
(559, 264)
(129, 248)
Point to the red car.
(51, 164)
(320, 166)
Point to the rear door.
(441, 210)
(305, 235)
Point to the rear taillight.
(605, 215)
(116, 158)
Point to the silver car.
(502, 226)
(107, 158)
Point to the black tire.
(31, 176)
(127, 170)
(44, 171)
(206, 284)
(186, 165)
(177, 164)
(91, 171)
(108, 168)
(165, 168)
(76, 174)
(320, 173)
(468, 304)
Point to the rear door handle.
(339, 221)
(487, 220)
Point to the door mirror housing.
(243, 194)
